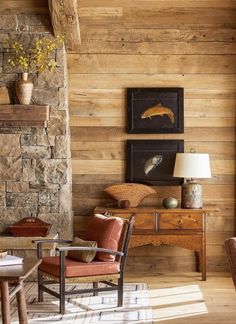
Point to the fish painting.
(158, 110)
(152, 163)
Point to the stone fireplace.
(35, 163)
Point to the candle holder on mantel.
(192, 166)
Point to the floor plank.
(182, 298)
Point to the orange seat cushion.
(74, 268)
(106, 231)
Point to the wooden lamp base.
(191, 195)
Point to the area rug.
(88, 309)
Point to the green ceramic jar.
(170, 203)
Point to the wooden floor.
(178, 298)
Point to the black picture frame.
(152, 162)
(155, 110)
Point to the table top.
(155, 210)
(20, 271)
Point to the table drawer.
(143, 221)
(180, 221)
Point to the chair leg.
(62, 296)
(95, 286)
(120, 292)
(40, 292)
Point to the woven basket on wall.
(133, 192)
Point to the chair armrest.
(85, 248)
(50, 241)
(39, 243)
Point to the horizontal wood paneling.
(218, 191)
(118, 133)
(122, 80)
(116, 150)
(158, 41)
(119, 121)
(222, 167)
(197, 93)
(163, 64)
(94, 107)
(128, 47)
(182, 43)
(156, 17)
(158, 4)
(108, 179)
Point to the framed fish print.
(155, 110)
(152, 162)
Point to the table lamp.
(192, 166)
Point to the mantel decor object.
(30, 226)
(30, 56)
(24, 89)
(192, 166)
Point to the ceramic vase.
(24, 89)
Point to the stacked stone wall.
(35, 163)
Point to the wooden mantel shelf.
(24, 115)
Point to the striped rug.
(88, 309)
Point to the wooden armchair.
(230, 246)
(62, 270)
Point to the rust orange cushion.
(106, 231)
(75, 268)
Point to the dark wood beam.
(65, 21)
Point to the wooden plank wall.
(146, 43)
(150, 43)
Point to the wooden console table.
(185, 228)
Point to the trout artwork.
(159, 110)
(152, 163)
(155, 110)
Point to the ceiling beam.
(65, 21)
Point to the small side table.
(15, 274)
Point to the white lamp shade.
(192, 165)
